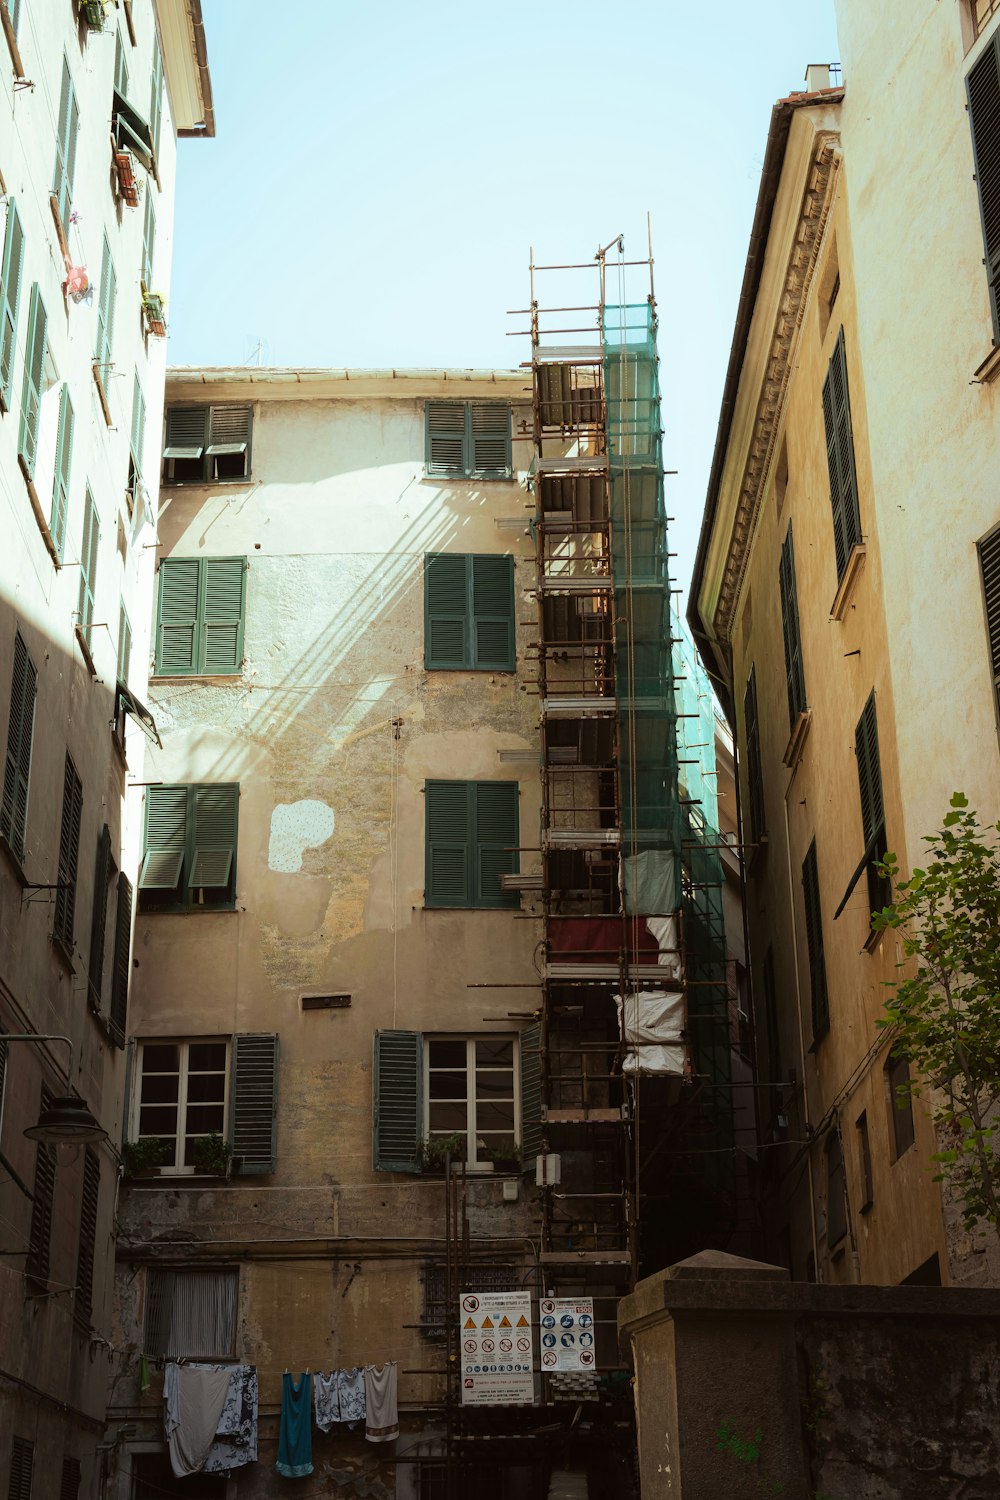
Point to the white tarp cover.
(652, 1025)
(650, 883)
(665, 931)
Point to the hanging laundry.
(351, 1394)
(382, 1419)
(295, 1435)
(236, 1434)
(193, 1398)
(326, 1400)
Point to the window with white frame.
(182, 1096)
(471, 1091)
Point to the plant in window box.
(210, 1155)
(144, 1157)
(129, 185)
(92, 11)
(504, 1158)
(435, 1151)
(152, 311)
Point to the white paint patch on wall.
(295, 827)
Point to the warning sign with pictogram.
(568, 1333)
(494, 1372)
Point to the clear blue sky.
(381, 169)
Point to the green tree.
(945, 1012)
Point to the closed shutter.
(869, 772)
(138, 435)
(121, 66)
(156, 97)
(34, 371)
(17, 766)
(69, 1484)
(66, 132)
(88, 562)
(489, 439)
(216, 809)
(755, 778)
(123, 950)
(814, 941)
(445, 437)
(446, 637)
(84, 1304)
(106, 314)
(989, 562)
(840, 457)
(255, 1103)
(493, 612)
(60, 482)
(531, 1093)
(22, 1462)
(166, 838)
(794, 675)
(983, 84)
(102, 877)
(224, 582)
(186, 432)
(69, 851)
(148, 242)
(124, 645)
(448, 823)
(40, 1234)
(398, 1108)
(496, 840)
(177, 618)
(10, 295)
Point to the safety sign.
(567, 1325)
(497, 1349)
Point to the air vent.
(326, 1002)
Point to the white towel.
(193, 1401)
(381, 1416)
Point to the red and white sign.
(497, 1349)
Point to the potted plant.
(144, 1157)
(152, 311)
(434, 1151)
(210, 1155)
(92, 12)
(505, 1158)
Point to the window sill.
(507, 670)
(845, 590)
(511, 478)
(63, 953)
(101, 394)
(989, 368)
(797, 739)
(7, 849)
(505, 907)
(37, 512)
(82, 642)
(211, 678)
(60, 231)
(223, 910)
(207, 484)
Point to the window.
(865, 1157)
(69, 1483)
(755, 778)
(104, 347)
(22, 1463)
(189, 847)
(486, 1089)
(10, 293)
(794, 675)
(814, 942)
(88, 565)
(156, 96)
(872, 806)
(60, 479)
(69, 850)
(34, 374)
(836, 1190)
(989, 563)
(471, 841)
(66, 130)
(17, 766)
(840, 458)
(468, 612)
(207, 444)
(122, 955)
(983, 84)
(84, 1303)
(148, 242)
(191, 1089)
(199, 626)
(136, 441)
(37, 1263)
(104, 874)
(471, 1277)
(468, 439)
(191, 1314)
(124, 644)
(901, 1131)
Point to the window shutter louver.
(255, 1103)
(445, 595)
(69, 850)
(983, 84)
(17, 766)
(814, 941)
(84, 1303)
(448, 824)
(148, 242)
(138, 435)
(60, 482)
(156, 97)
(166, 838)
(989, 562)
(88, 562)
(3, 1073)
(445, 422)
(755, 779)
(186, 431)
(493, 612)
(34, 372)
(102, 876)
(489, 429)
(216, 809)
(398, 1107)
(869, 772)
(794, 675)
(496, 840)
(222, 651)
(106, 313)
(228, 432)
(10, 296)
(66, 132)
(840, 457)
(122, 967)
(124, 645)
(178, 615)
(22, 1463)
(40, 1234)
(69, 1484)
(531, 1093)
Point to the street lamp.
(66, 1123)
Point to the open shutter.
(216, 809)
(493, 612)
(222, 614)
(102, 876)
(794, 675)
(814, 940)
(755, 778)
(177, 616)
(66, 132)
(228, 436)
(60, 482)
(531, 1094)
(489, 439)
(88, 562)
(446, 635)
(69, 851)
(40, 1234)
(156, 96)
(445, 437)
(148, 242)
(496, 841)
(448, 820)
(123, 951)
(10, 294)
(83, 1305)
(166, 836)
(17, 765)
(106, 313)
(869, 772)
(138, 435)
(989, 562)
(34, 370)
(983, 84)
(254, 1133)
(186, 432)
(398, 1074)
(840, 457)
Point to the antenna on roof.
(256, 356)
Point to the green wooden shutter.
(165, 838)
(814, 941)
(40, 1233)
(156, 96)
(488, 439)
(66, 132)
(398, 1078)
(186, 435)
(10, 295)
(445, 437)
(216, 812)
(102, 877)
(983, 84)
(493, 612)
(88, 563)
(17, 765)
(496, 835)
(224, 581)
(228, 437)
(794, 674)
(148, 242)
(531, 1094)
(755, 777)
(69, 852)
(989, 563)
(124, 644)
(254, 1129)
(178, 634)
(840, 457)
(869, 772)
(106, 314)
(121, 972)
(446, 627)
(121, 66)
(60, 481)
(138, 433)
(83, 1305)
(22, 1463)
(448, 816)
(34, 373)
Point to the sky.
(380, 171)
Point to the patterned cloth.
(295, 1436)
(326, 1400)
(236, 1434)
(382, 1423)
(351, 1390)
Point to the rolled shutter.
(69, 851)
(445, 437)
(254, 1132)
(177, 629)
(983, 85)
(446, 634)
(122, 968)
(166, 838)
(34, 370)
(398, 1073)
(10, 294)
(493, 612)
(531, 1093)
(102, 876)
(216, 809)
(448, 820)
(489, 437)
(17, 766)
(60, 482)
(496, 840)
(222, 616)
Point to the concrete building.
(92, 100)
(833, 580)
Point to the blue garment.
(295, 1437)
